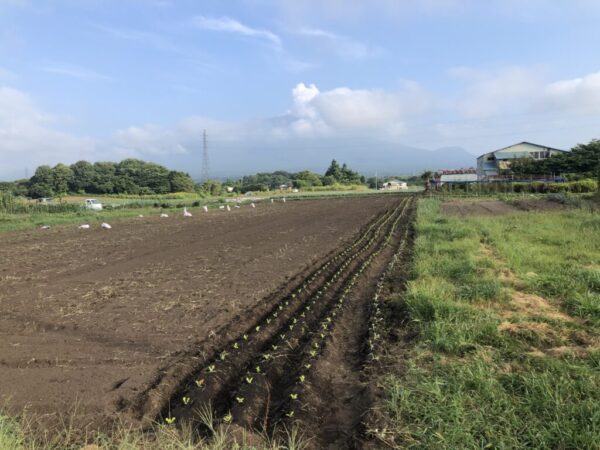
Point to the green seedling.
(307, 366)
(228, 418)
(170, 420)
(294, 396)
(186, 400)
(290, 414)
(211, 368)
(236, 345)
(223, 355)
(291, 327)
(257, 329)
(302, 378)
(257, 368)
(313, 353)
(200, 382)
(274, 347)
(249, 380)
(240, 400)
(245, 337)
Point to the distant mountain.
(364, 155)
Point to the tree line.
(130, 176)
(266, 181)
(136, 177)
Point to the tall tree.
(62, 177)
(41, 183)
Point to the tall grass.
(484, 371)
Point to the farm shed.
(490, 165)
(458, 176)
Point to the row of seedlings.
(293, 400)
(252, 400)
(376, 315)
(217, 374)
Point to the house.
(393, 185)
(497, 163)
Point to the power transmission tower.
(204, 173)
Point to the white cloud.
(28, 139)
(228, 25)
(345, 110)
(522, 90)
(343, 46)
(75, 72)
(577, 94)
(157, 140)
(498, 93)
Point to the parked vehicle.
(92, 203)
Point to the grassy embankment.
(506, 314)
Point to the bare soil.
(497, 207)
(107, 321)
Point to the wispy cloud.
(143, 37)
(75, 72)
(343, 46)
(228, 25)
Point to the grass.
(20, 435)
(506, 314)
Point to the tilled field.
(302, 358)
(130, 320)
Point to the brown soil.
(496, 207)
(115, 320)
(301, 356)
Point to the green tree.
(41, 183)
(83, 177)
(104, 178)
(211, 187)
(334, 170)
(306, 178)
(62, 177)
(180, 182)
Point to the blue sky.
(109, 79)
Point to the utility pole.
(204, 173)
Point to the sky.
(112, 79)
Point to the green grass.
(15, 435)
(484, 370)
